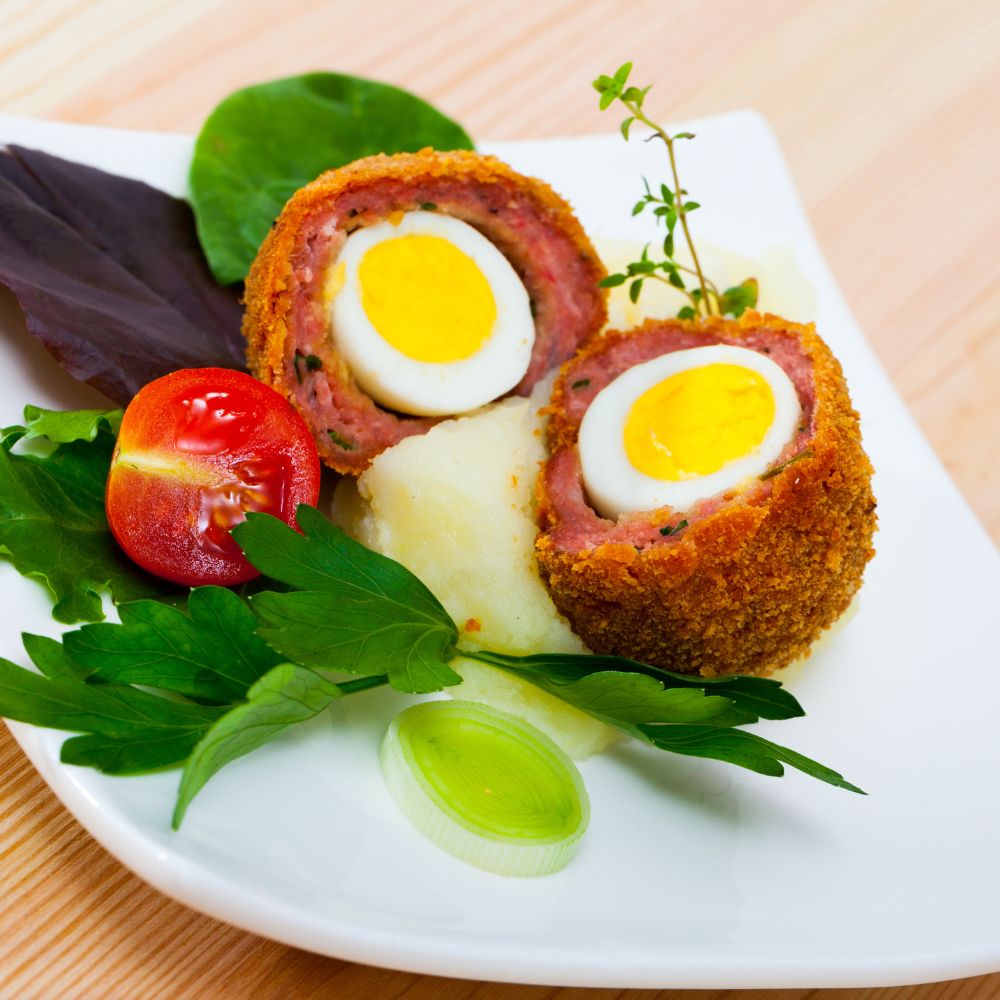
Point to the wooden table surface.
(887, 112)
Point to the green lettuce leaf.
(54, 527)
(63, 426)
(263, 143)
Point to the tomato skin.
(198, 449)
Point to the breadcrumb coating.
(755, 576)
(287, 296)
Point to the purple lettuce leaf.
(110, 274)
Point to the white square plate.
(694, 873)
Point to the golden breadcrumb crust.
(270, 285)
(748, 588)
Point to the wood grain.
(887, 113)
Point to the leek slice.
(485, 786)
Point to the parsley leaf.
(285, 695)
(754, 697)
(212, 652)
(353, 610)
(54, 526)
(684, 715)
(128, 731)
(360, 636)
(736, 746)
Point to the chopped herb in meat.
(339, 441)
(771, 473)
(668, 529)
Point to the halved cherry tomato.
(197, 450)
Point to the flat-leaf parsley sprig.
(669, 206)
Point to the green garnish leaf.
(736, 746)
(688, 715)
(128, 730)
(754, 697)
(54, 527)
(581, 383)
(352, 610)
(63, 426)
(736, 300)
(285, 695)
(621, 75)
(612, 280)
(264, 142)
(212, 652)
(359, 636)
(670, 207)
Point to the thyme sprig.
(670, 206)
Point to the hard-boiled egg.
(429, 315)
(684, 427)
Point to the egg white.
(614, 486)
(427, 388)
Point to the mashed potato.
(454, 507)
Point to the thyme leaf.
(669, 206)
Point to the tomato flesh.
(197, 450)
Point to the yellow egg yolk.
(697, 421)
(427, 298)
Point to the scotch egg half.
(429, 315)
(684, 427)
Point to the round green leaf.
(264, 142)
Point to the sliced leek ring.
(485, 786)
